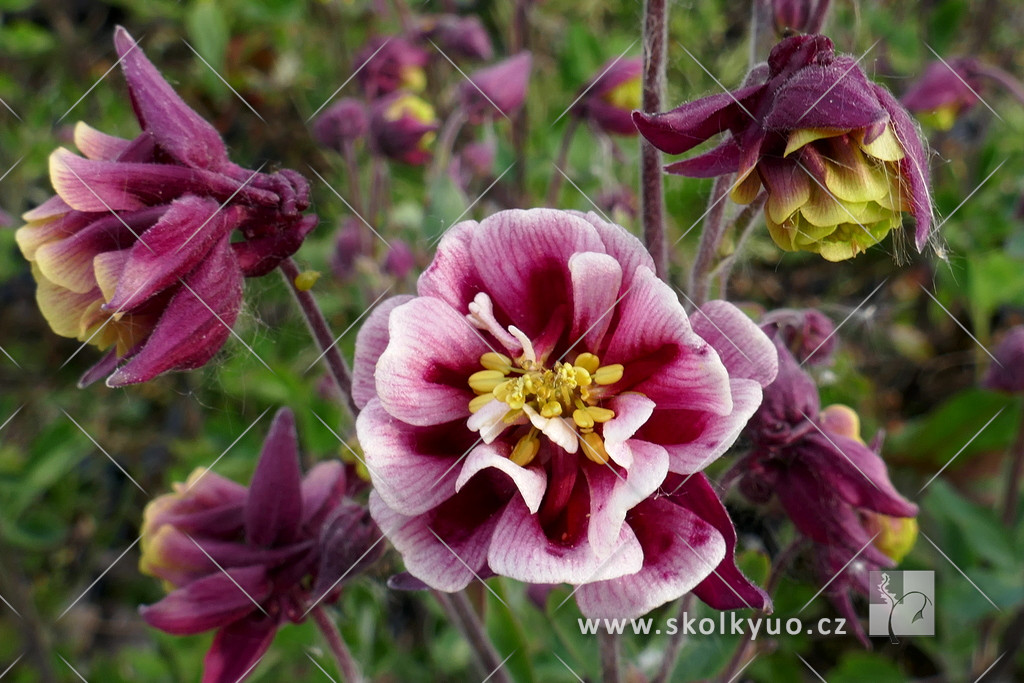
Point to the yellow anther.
(551, 409)
(525, 449)
(608, 374)
(582, 418)
(583, 378)
(502, 391)
(588, 362)
(485, 381)
(593, 448)
(600, 414)
(480, 401)
(496, 361)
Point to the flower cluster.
(137, 250)
(837, 155)
(543, 409)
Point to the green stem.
(675, 644)
(1012, 495)
(563, 155)
(461, 612)
(346, 663)
(611, 656)
(710, 240)
(652, 192)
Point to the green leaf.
(861, 666)
(975, 528)
(208, 28)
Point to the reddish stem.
(652, 194)
(346, 663)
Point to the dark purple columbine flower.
(1007, 373)
(809, 334)
(609, 98)
(833, 486)
(243, 560)
(944, 92)
(146, 243)
(457, 36)
(387, 64)
(497, 89)
(402, 127)
(342, 123)
(838, 156)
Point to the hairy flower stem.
(710, 240)
(611, 654)
(652, 192)
(744, 224)
(459, 609)
(346, 664)
(321, 332)
(675, 644)
(1012, 495)
(563, 155)
(352, 171)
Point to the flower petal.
(835, 95)
(530, 482)
(596, 279)
(210, 602)
(96, 145)
(370, 344)
(274, 508)
(632, 410)
(621, 245)
(322, 489)
(687, 126)
(719, 161)
(236, 648)
(745, 350)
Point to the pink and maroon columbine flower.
(837, 155)
(136, 251)
(608, 99)
(543, 409)
(497, 90)
(243, 560)
(833, 486)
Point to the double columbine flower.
(838, 156)
(135, 252)
(243, 560)
(542, 410)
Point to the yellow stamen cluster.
(562, 390)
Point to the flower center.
(547, 397)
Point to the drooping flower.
(342, 123)
(838, 156)
(457, 36)
(387, 64)
(146, 243)
(496, 90)
(833, 486)
(403, 127)
(944, 92)
(809, 334)
(542, 410)
(609, 98)
(243, 560)
(1006, 373)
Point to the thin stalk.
(652, 191)
(459, 609)
(348, 151)
(321, 332)
(563, 155)
(745, 223)
(346, 663)
(445, 144)
(611, 655)
(710, 240)
(1012, 496)
(675, 644)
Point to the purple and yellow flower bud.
(136, 253)
(389, 64)
(944, 92)
(457, 36)
(608, 100)
(497, 90)
(896, 535)
(838, 158)
(403, 127)
(342, 123)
